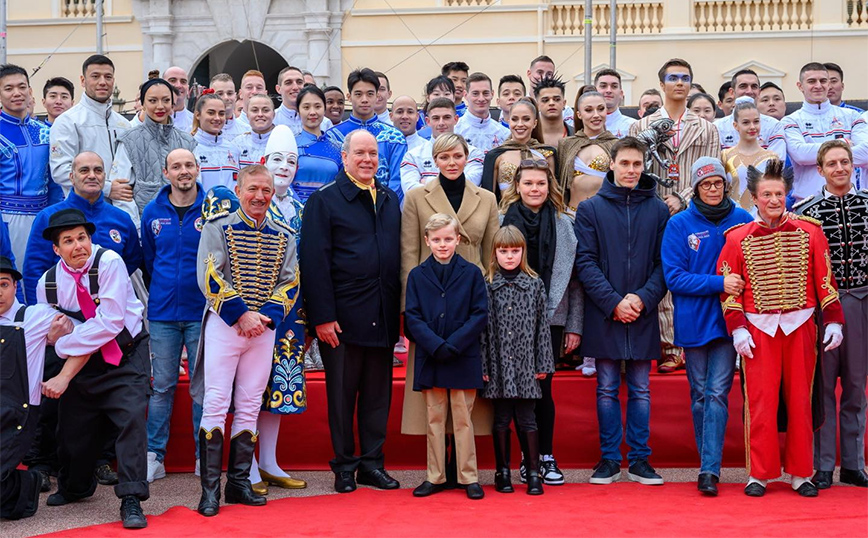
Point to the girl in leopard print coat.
(516, 352)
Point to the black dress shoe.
(854, 478)
(105, 475)
(378, 478)
(808, 490)
(474, 491)
(57, 499)
(427, 488)
(754, 489)
(131, 513)
(707, 484)
(344, 482)
(44, 481)
(822, 479)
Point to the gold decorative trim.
(224, 291)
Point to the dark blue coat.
(620, 232)
(454, 316)
(350, 257)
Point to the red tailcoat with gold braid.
(788, 274)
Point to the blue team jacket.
(170, 248)
(691, 245)
(114, 230)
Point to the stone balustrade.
(752, 15)
(568, 19)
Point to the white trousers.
(233, 361)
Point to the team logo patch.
(115, 235)
(156, 226)
(693, 242)
(198, 224)
(706, 170)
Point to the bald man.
(171, 227)
(182, 118)
(404, 116)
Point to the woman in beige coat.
(476, 211)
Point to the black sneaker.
(606, 472)
(131, 513)
(551, 474)
(105, 475)
(522, 472)
(44, 481)
(642, 472)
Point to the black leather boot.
(534, 482)
(210, 467)
(502, 480)
(238, 488)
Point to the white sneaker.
(197, 468)
(401, 347)
(156, 469)
(589, 367)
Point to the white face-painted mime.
(281, 159)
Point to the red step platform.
(304, 442)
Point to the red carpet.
(623, 509)
(576, 431)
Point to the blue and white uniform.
(484, 133)
(806, 129)
(414, 141)
(183, 120)
(24, 176)
(290, 118)
(218, 160)
(251, 147)
(390, 141)
(319, 161)
(233, 129)
(771, 135)
(616, 123)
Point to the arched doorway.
(237, 58)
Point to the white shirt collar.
(827, 194)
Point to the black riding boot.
(502, 480)
(210, 467)
(534, 482)
(238, 488)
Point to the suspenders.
(19, 316)
(124, 338)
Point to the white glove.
(833, 336)
(743, 342)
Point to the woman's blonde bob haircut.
(448, 142)
(508, 237)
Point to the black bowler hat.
(64, 220)
(6, 266)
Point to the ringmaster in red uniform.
(784, 260)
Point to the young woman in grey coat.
(534, 204)
(516, 353)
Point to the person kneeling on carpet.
(516, 353)
(24, 333)
(446, 312)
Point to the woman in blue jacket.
(691, 244)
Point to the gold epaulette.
(812, 220)
(802, 202)
(731, 228)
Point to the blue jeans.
(167, 340)
(638, 408)
(710, 369)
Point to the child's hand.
(485, 378)
(541, 376)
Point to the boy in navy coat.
(447, 310)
